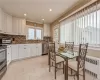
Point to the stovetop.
(3, 46)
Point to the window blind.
(82, 27)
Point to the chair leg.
(48, 59)
(49, 67)
(71, 71)
(83, 74)
(78, 76)
(74, 77)
(63, 68)
(55, 72)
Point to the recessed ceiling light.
(43, 19)
(25, 14)
(50, 9)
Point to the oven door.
(2, 55)
(3, 62)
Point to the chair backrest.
(69, 46)
(82, 55)
(52, 47)
(52, 54)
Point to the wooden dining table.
(66, 56)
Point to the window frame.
(34, 32)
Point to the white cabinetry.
(19, 26)
(9, 24)
(33, 50)
(0, 20)
(9, 54)
(46, 29)
(4, 22)
(36, 49)
(21, 51)
(15, 26)
(24, 51)
(14, 52)
(39, 49)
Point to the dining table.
(67, 56)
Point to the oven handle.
(1, 50)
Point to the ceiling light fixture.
(25, 14)
(43, 19)
(50, 10)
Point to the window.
(83, 27)
(31, 34)
(35, 33)
(66, 32)
(38, 34)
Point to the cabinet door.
(39, 49)
(14, 52)
(21, 51)
(23, 27)
(27, 51)
(15, 25)
(9, 24)
(4, 22)
(33, 50)
(0, 20)
(8, 55)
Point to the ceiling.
(37, 10)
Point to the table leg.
(66, 69)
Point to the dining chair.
(55, 61)
(79, 65)
(69, 46)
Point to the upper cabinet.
(46, 29)
(4, 22)
(9, 24)
(15, 25)
(19, 26)
(12, 25)
(0, 20)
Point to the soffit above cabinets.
(37, 10)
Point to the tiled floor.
(33, 69)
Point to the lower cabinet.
(29, 50)
(21, 51)
(14, 55)
(9, 54)
(39, 49)
(36, 49)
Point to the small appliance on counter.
(5, 41)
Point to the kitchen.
(37, 35)
(13, 38)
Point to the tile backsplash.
(18, 39)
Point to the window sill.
(91, 47)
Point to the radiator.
(92, 66)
